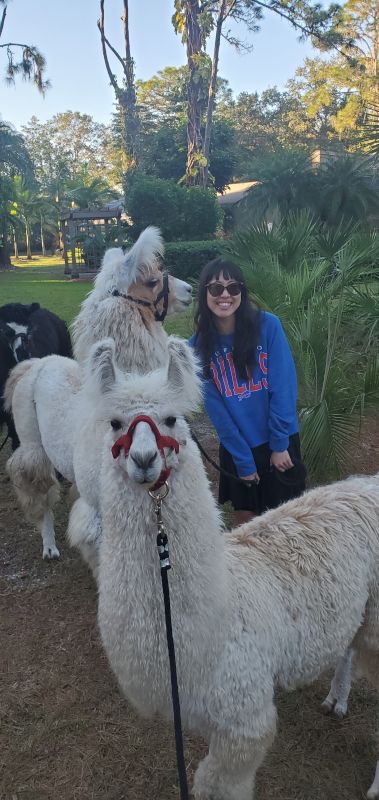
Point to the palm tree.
(284, 183)
(14, 156)
(91, 194)
(369, 132)
(28, 205)
(14, 159)
(336, 190)
(320, 297)
(345, 189)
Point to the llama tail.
(14, 377)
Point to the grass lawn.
(42, 280)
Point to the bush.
(186, 259)
(181, 213)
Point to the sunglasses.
(216, 289)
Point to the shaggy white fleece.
(53, 414)
(273, 603)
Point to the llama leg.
(37, 490)
(84, 532)
(368, 666)
(336, 701)
(50, 549)
(228, 771)
(373, 792)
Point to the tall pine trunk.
(195, 157)
(213, 87)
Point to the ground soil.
(66, 733)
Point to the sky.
(66, 33)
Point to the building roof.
(93, 213)
(234, 193)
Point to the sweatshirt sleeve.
(282, 388)
(227, 430)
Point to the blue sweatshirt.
(247, 413)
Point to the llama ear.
(101, 364)
(175, 377)
(183, 375)
(144, 254)
(184, 354)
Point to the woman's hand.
(253, 478)
(281, 461)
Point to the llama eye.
(116, 424)
(152, 283)
(170, 422)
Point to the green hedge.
(186, 259)
(180, 212)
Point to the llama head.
(166, 396)
(138, 273)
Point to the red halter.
(125, 443)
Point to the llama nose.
(144, 460)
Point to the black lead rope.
(217, 466)
(284, 478)
(159, 316)
(5, 441)
(164, 558)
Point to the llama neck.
(140, 340)
(131, 604)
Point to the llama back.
(14, 377)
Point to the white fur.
(52, 412)
(273, 603)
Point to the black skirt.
(273, 488)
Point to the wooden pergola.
(75, 225)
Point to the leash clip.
(162, 540)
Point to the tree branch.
(121, 60)
(230, 10)
(17, 44)
(100, 25)
(3, 19)
(303, 28)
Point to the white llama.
(46, 396)
(271, 604)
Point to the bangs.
(214, 269)
(225, 272)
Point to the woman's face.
(224, 305)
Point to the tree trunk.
(15, 245)
(212, 87)
(28, 242)
(195, 159)
(5, 259)
(129, 94)
(42, 239)
(126, 96)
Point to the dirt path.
(67, 734)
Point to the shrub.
(181, 213)
(186, 259)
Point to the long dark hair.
(247, 320)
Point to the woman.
(249, 393)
